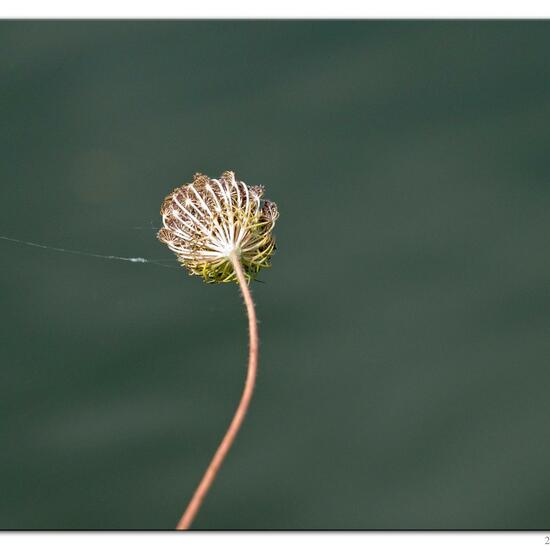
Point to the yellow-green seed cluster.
(208, 220)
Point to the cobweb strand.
(134, 260)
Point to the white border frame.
(281, 9)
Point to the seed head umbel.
(208, 221)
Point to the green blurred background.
(404, 377)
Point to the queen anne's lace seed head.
(209, 220)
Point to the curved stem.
(206, 482)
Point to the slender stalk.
(206, 482)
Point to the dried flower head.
(209, 220)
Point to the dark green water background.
(404, 377)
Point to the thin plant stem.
(210, 474)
